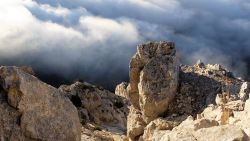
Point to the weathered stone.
(198, 88)
(135, 67)
(33, 110)
(247, 106)
(209, 131)
(28, 70)
(221, 133)
(97, 105)
(94, 133)
(216, 67)
(121, 89)
(135, 124)
(244, 91)
(237, 105)
(184, 135)
(209, 92)
(153, 78)
(162, 98)
(204, 123)
(154, 126)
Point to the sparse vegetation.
(118, 103)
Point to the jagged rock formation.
(216, 100)
(153, 73)
(201, 85)
(208, 126)
(121, 89)
(32, 110)
(200, 101)
(98, 109)
(153, 78)
(163, 101)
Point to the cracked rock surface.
(32, 110)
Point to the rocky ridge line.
(201, 102)
(164, 100)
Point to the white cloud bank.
(94, 39)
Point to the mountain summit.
(163, 101)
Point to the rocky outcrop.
(216, 99)
(165, 97)
(208, 127)
(168, 101)
(33, 110)
(163, 101)
(153, 74)
(153, 78)
(104, 110)
(216, 133)
(201, 85)
(121, 89)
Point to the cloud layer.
(93, 40)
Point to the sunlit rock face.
(97, 105)
(153, 73)
(180, 102)
(103, 114)
(33, 110)
(215, 99)
(121, 90)
(162, 101)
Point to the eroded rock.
(221, 133)
(156, 125)
(135, 125)
(33, 110)
(153, 78)
(121, 89)
(98, 106)
(202, 85)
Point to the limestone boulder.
(33, 110)
(154, 72)
(200, 130)
(221, 133)
(155, 126)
